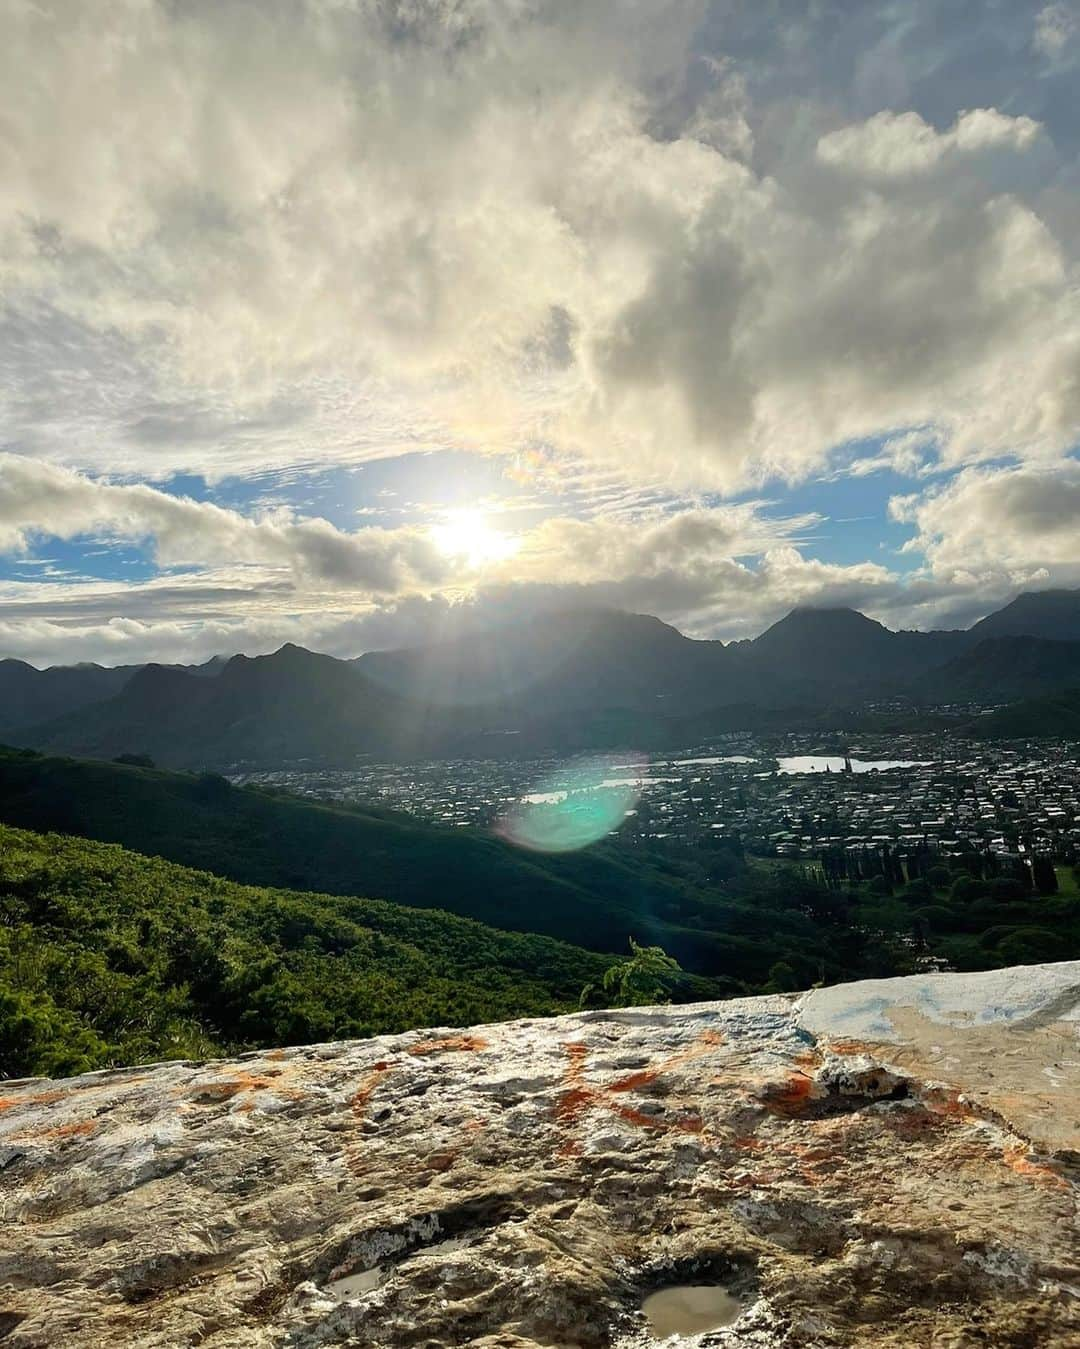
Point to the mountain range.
(574, 680)
(29, 695)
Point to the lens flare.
(575, 806)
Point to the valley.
(782, 796)
(306, 919)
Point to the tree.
(647, 977)
(934, 918)
(965, 889)
(782, 979)
(1029, 946)
(212, 788)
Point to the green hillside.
(109, 957)
(1057, 715)
(595, 899)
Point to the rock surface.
(892, 1163)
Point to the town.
(784, 797)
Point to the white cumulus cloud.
(696, 245)
(1018, 525)
(44, 501)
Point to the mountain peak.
(290, 665)
(290, 654)
(808, 619)
(1052, 614)
(832, 614)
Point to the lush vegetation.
(976, 912)
(1052, 716)
(109, 957)
(644, 978)
(701, 906)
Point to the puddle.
(690, 1310)
(354, 1285)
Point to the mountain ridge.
(1052, 614)
(579, 680)
(1019, 617)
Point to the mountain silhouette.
(554, 684)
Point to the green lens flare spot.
(569, 809)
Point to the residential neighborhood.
(788, 796)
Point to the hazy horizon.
(474, 621)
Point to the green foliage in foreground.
(645, 978)
(108, 957)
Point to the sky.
(349, 322)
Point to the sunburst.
(470, 537)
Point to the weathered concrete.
(886, 1164)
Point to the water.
(606, 784)
(641, 781)
(447, 1247)
(356, 1285)
(834, 763)
(712, 759)
(690, 1310)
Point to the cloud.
(1056, 27)
(651, 249)
(649, 543)
(911, 453)
(726, 571)
(902, 145)
(42, 500)
(281, 233)
(1014, 526)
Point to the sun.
(470, 537)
